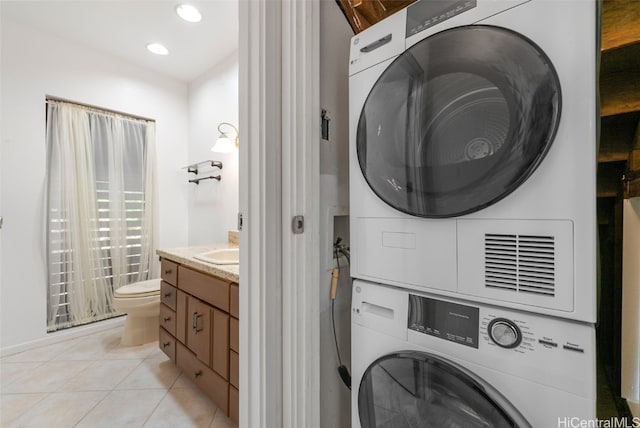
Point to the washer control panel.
(445, 320)
(494, 340)
(503, 329)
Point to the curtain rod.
(49, 99)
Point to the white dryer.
(421, 360)
(473, 129)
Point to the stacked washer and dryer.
(473, 144)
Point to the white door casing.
(279, 160)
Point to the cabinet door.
(199, 329)
(220, 339)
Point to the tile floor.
(93, 382)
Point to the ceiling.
(123, 28)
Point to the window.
(100, 210)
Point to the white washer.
(473, 129)
(421, 360)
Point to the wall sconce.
(224, 144)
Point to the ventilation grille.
(520, 263)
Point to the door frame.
(279, 116)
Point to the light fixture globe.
(225, 144)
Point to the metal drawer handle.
(167, 294)
(165, 344)
(194, 322)
(198, 374)
(167, 271)
(167, 319)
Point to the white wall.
(335, 35)
(35, 65)
(630, 388)
(213, 205)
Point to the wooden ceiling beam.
(609, 179)
(617, 136)
(620, 23)
(632, 175)
(361, 14)
(620, 92)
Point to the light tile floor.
(93, 382)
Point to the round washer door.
(416, 389)
(458, 121)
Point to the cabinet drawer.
(169, 271)
(168, 319)
(212, 290)
(234, 300)
(234, 404)
(234, 332)
(234, 369)
(220, 357)
(168, 295)
(206, 379)
(167, 344)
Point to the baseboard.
(634, 407)
(62, 335)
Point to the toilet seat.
(147, 288)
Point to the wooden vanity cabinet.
(199, 331)
(234, 348)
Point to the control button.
(548, 343)
(573, 348)
(504, 333)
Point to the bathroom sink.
(222, 256)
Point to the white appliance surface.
(546, 227)
(548, 377)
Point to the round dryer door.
(416, 389)
(458, 121)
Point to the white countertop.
(184, 256)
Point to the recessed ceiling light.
(188, 13)
(157, 49)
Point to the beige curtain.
(101, 187)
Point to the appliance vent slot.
(520, 263)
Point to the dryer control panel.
(425, 14)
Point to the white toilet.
(141, 302)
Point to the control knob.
(504, 333)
